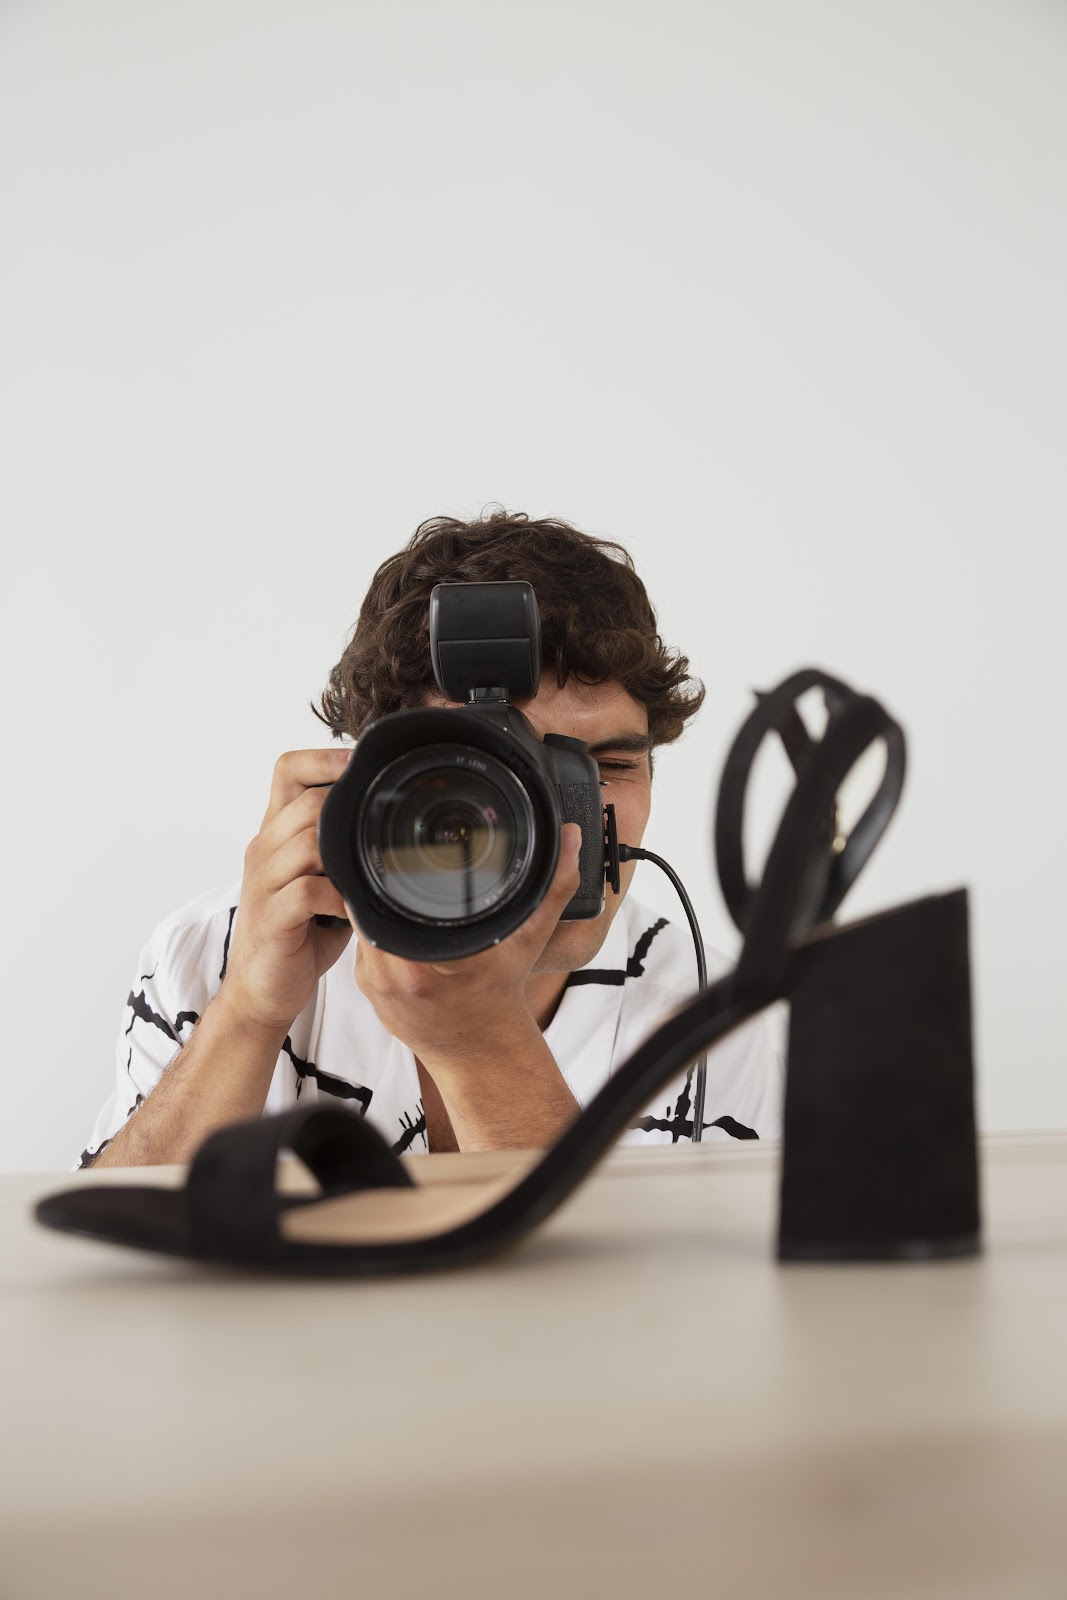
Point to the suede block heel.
(879, 1157)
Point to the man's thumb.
(566, 879)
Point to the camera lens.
(456, 835)
(446, 833)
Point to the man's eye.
(617, 766)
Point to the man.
(244, 1004)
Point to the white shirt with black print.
(337, 1050)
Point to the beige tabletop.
(638, 1401)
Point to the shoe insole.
(451, 1189)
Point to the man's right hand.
(277, 952)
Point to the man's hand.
(277, 953)
(276, 957)
(469, 1024)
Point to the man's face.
(615, 727)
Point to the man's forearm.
(509, 1095)
(221, 1076)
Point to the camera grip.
(581, 803)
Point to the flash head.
(485, 636)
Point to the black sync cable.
(629, 852)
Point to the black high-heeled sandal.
(879, 1153)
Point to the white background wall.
(772, 292)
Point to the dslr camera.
(443, 833)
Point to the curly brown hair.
(597, 621)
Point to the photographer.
(243, 1003)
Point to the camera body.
(443, 833)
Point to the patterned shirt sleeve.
(179, 972)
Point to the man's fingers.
(298, 770)
(301, 813)
(297, 858)
(295, 905)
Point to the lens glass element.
(446, 834)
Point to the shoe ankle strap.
(810, 866)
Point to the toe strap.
(233, 1204)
